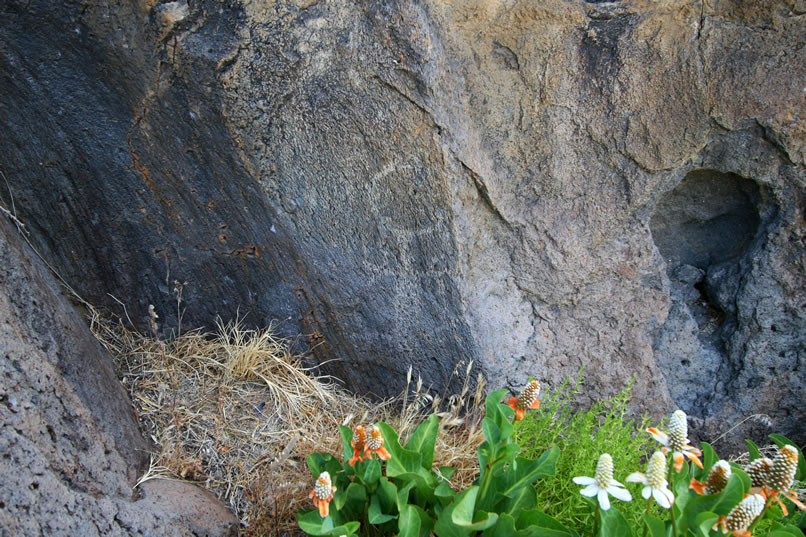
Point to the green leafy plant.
(405, 496)
(400, 493)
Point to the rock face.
(71, 448)
(532, 186)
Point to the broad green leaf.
(445, 527)
(313, 524)
(535, 523)
(346, 530)
(528, 472)
(504, 527)
(424, 439)
(613, 524)
(709, 458)
(425, 483)
(781, 441)
(491, 431)
(371, 472)
(465, 505)
(320, 462)
(788, 531)
(522, 500)
(753, 450)
(346, 439)
(403, 495)
(730, 496)
(657, 528)
(447, 471)
(493, 402)
(704, 522)
(414, 522)
(376, 514)
(466, 515)
(499, 413)
(443, 490)
(352, 501)
(387, 494)
(403, 460)
(721, 503)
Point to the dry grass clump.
(236, 412)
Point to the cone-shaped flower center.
(529, 395)
(782, 472)
(604, 471)
(678, 431)
(656, 471)
(322, 489)
(759, 471)
(375, 439)
(718, 478)
(743, 514)
(359, 436)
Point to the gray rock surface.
(419, 183)
(70, 447)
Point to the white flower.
(603, 483)
(656, 484)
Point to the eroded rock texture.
(530, 185)
(70, 447)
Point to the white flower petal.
(590, 490)
(646, 492)
(660, 436)
(636, 477)
(583, 480)
(620, 493)
(662, 498)
(614, 482)
(604, 501)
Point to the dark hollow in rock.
(709, 218)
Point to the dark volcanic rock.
(530, 186)
(70, 442)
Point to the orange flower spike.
(716, 482)
(742, 516)
(358, 443)
(322, 494)
(759, 470)
(781, 476)
(527, 400)
(375, 444)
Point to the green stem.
(674, 522)
(596, 519)
(671, 486)
(648, 507)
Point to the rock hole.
(704, 228)
(709, 218)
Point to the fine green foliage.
(582, 437)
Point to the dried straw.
(236, 412)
